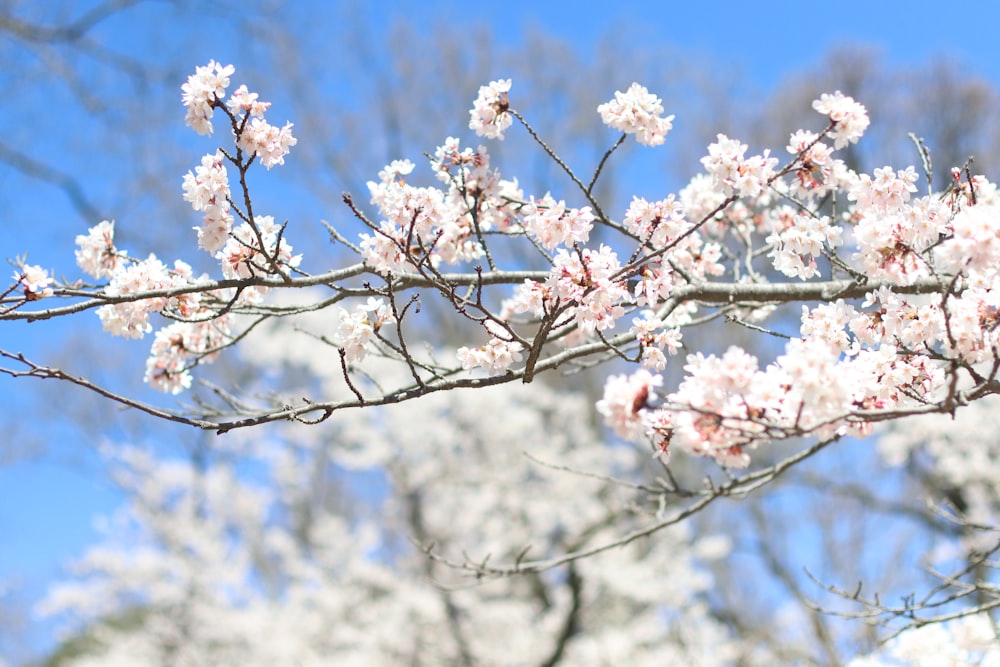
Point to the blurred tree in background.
(307, 546)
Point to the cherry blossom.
(258, 249)
(202, 91)
(974, 244)
(897, 309)
(178, 346)
(849, 117)
(97, 254)
(586, 279)
(637, 111)
(818, 172)
(553, 224)
(626, 399)
(34, 281)
(131, 318)
(654, 336)
(658, 223)
(269, 143)
(433, 225)
(801, 242)
(243, 101)
(732, 173)
(495, 357)
(357, 329)
(208, 190)
(489, 115)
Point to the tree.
(876, 350)
(237, 558)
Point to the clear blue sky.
(47, 506)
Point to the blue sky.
(765, 39)
(47, 503)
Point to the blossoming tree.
(879, 300)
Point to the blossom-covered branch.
(904, 283)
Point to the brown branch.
(737, 487)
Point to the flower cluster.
(974, 244)
(732, 173)
(654, 336)
(202, 92)
(489, 115)
(130, 318)
(433, 225)
(259, 249)
(495, 357)
(179, 346)
(964, 326)
(892, 232)
(97, 254)
(208, 190)
(627, 398)
(357, 330)
(637, 111)
(242, 101)
(850, 118)
(269, 143)
(416, 220)
(658, 223)
(553, 223)
(34, 282)
(589, 280)
(584, 283)
(727, 406)
(801, 240)
(817, 172)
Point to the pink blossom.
(268, 142)
(178, 346)
(243, 256)
(850, 117)
(816, 170)
(495, 357)
(658, 223)
(34, 281)
(201, 92)
(654, 336)
(97, 254)
(719, 407)
(804, 239)
(208, 190)
(243, 101)
(425, 224)
(529, 297)
(638, 112)
(891, 231)
(626, 399)
(356, 329)
(974, 244)
(489, 116)
(131, 318)
(734, 174)
(587, 280)
(828, 321)
(552, 223)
